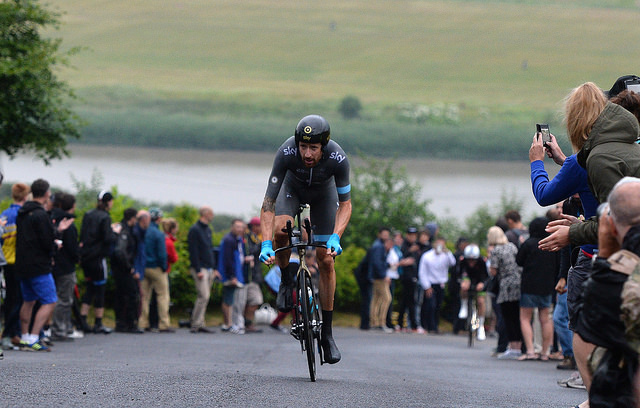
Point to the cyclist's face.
(311, 153)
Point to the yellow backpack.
(9, 243)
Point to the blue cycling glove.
(333, 244)
(267, 251)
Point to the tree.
(34, 108)
(383, 195)
(479, 222)
(350, 107)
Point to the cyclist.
(473, 272)
(309, 168)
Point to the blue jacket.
(155, 248)
(571, 179)
(231, 259)
(141, 259)
(377, 261)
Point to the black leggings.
(95, 293)
(511, 316)
(408, 302)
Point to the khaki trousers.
(203, 293)
(380, 303)
(155, 279)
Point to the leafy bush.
(347, 298)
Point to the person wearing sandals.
(539, 269)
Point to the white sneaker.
(510, 354)
(237, 330)
(6, 343)
(481, 334)
(76, 334)
(464, 311)
(387, 329)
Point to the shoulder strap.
(624, 261)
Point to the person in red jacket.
(170, 228)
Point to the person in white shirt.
(433, 273)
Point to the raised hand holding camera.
(536, 152)
(554, 152)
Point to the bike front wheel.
(308, 309)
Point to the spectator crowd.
(42, 248)
(566, 288)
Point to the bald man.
(600, 322)
(202, 267)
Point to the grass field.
(203, 64)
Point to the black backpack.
(361, 271)
(120, 254)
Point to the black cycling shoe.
(284, 300)
(330, 351)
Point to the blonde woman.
(604, 135)
(503, 264)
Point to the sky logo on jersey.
(337, 156)
(290, 151)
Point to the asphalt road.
(267, 369)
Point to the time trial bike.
(306, 325)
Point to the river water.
(234, 182)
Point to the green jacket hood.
(615, 124)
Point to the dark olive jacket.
(609, 154)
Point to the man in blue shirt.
(155, 275)
(231, 267)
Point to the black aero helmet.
(313, 129)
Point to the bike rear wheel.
(308, 305)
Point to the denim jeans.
(561, 325)
(576, 277)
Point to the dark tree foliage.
(35, 112)
(350, 107)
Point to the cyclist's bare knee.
(325, 261)
(281, 238)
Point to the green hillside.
(461, 78)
